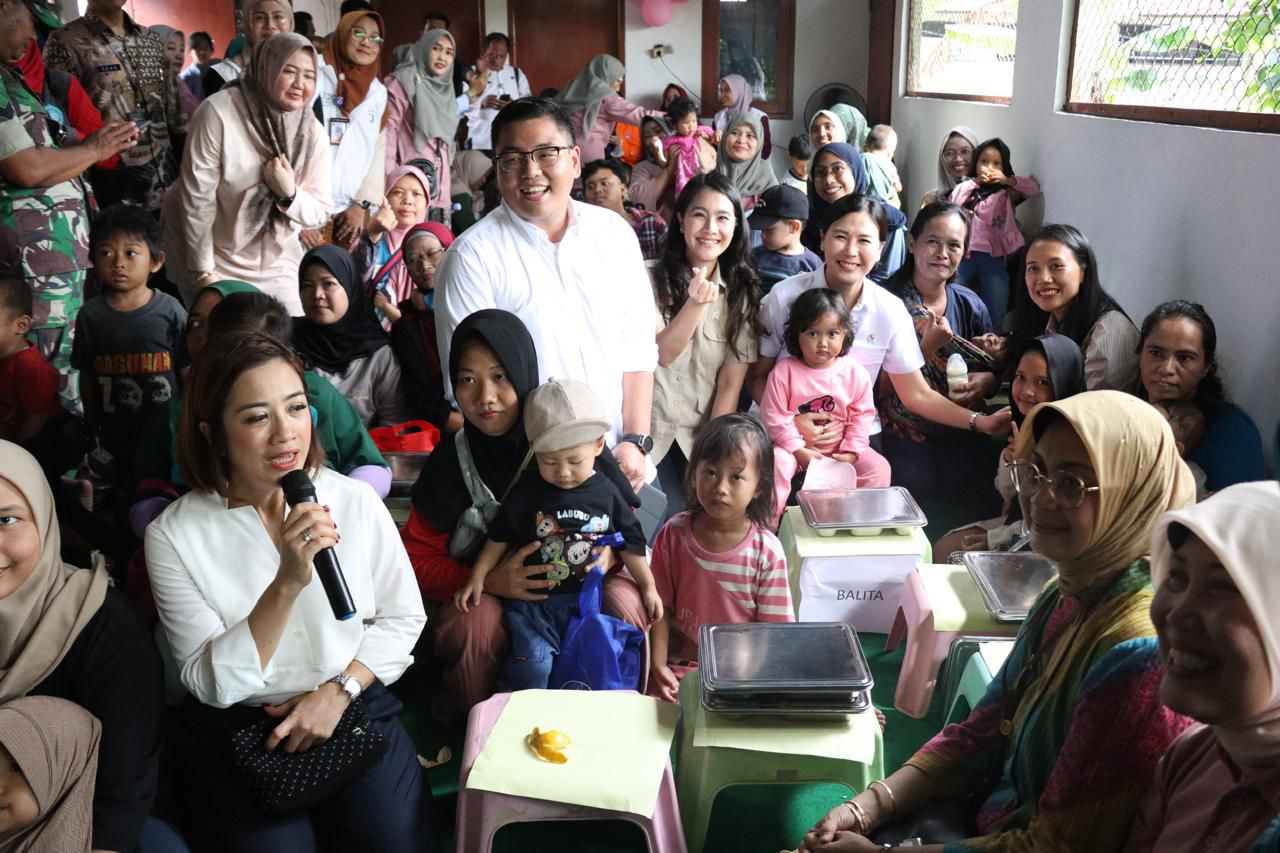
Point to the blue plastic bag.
(597, 652)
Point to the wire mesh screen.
(1221, 55)
(963, 48)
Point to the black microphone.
(298, 488)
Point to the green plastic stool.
(971, 687)
(703, 772)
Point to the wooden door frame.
(785, 104)
(881, 55)
(622, 32)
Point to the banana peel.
(549, 745)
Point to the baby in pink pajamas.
(683, 143)
(821, 379)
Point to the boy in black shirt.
(570, 509)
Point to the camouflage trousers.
(58, 299)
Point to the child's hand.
(468, 595)
(850, 458)
(806, 455)
(652, 603)
(663, 682)
(601, 558)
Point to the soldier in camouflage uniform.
(128, 78)
(44, 229)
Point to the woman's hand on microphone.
(307, 530)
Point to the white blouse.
(209, 565)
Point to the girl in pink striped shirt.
(823, 377)
(717, 562)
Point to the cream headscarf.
(838, 133)
(946, 181)
(1139, 471)
(1241, 526)
(435, 107)
(40, 620)
(55, 744)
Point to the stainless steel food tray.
(816, 659)
(1009, 582)
(862, 512)
(786, 706)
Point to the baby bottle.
(957, 375)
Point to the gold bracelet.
(893, 802)
(860, 815)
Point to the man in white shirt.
(506, 83)
(572, 272)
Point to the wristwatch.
(286, 203)
(350, 685)
(644, 442)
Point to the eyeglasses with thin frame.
(835, 170)
(546, 156)
(361, 35)
(1067, 489)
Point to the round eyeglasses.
(1067, 489)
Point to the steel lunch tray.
(1009, 582)
(862, 512)
(789, 706)
(822, 660)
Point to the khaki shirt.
(128, 79)
(684, 390)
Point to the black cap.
(778, 203)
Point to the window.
(1204, 62)
(754, 38)
(961, 49)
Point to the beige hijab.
(55, 744)
(1139, 472)
(1241, 526)
(42, 618)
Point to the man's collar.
(99, 25)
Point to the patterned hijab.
(753, 175)
(1139, 471)
(55, 744)
(435, 107)
(1241, 526)
(592, 85)
(41, 619)
(290, 133)
(354, 80)
(855, 124)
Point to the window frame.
(783, 106)
(908, 92)
(1217, 119)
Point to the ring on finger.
(307, 536)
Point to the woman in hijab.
(48, 761)
(339, 338)
(1061, 748)
(854, 122)
(493, 366)
(262, 20)
(1218, 785)
(955, 159)
(422, 114)
(353, 105)
(742, 161)
(175, 49)
(734, 94)
(838, 171)
(255, 173)
(593, 104)
(1050, 367)
(381, 252)
(64, 633)
(826, 127)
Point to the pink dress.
(699, 587)
(841, 391)
(687, 164)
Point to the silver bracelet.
(973, 422)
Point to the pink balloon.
(656, 13)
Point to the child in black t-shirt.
(125, 339)
(779, 217)
(570, 509)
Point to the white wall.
(1173, 211)
(324, 13)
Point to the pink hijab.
(393, 271)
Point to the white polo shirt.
(884, 336)
(586, 300)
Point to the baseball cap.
(562, 413)
(45, 12)
(778, 203)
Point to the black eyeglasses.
(1066, 488)
(545, 156)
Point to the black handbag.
(283, 782)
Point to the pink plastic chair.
(939, 603)
(482, 813)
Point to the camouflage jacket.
(128, 79)
(43, 230)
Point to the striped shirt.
(697, 586)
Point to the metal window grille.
(1219, 56)
(962, 48)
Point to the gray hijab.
(435, 107)
(592, 85)
(753, 176)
